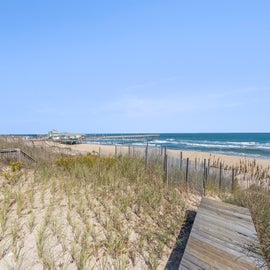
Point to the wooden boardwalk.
(222, 237)
(15, 153)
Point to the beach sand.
(226, 160)
(248, 171)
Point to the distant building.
(65, 137)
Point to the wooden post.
(233, 179)
(181, 160)
(129, 150)
(204, 181)
(115, 150)
(166, 174)
(146, 156)
(206, 175)
(19, 154)
(165, 158)
(187, 171)
(208, 170)
(220, 175)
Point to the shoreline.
(227, 160)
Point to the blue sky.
(134, 66)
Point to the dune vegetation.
(88, 212)
(70, 211)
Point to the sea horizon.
(249, 144)
(244, 144)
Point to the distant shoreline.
(228, 160)
(242, 145)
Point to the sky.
(134, 66)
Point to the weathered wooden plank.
(215, 257)
(9, 150)
(219, 209)
(222, 237)
(221, 223)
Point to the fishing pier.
(125, 136)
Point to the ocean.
(252, 145)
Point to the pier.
(131, 136)
(222, 237)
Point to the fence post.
(187, 171)
(165, 158)
(208, 170)
(115, 150)
(233, 179)
(19, 155)
(220, 175)
(166, 174)
(146, 156)
(204, 181)
(181, 160)
(129, 150)
(206, 176)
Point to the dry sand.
(200, 156)
(111, 150)
(248, 171)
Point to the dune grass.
(89, 212)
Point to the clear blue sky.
(134, 66)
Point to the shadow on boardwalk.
(181, 242)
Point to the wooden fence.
(196, 174)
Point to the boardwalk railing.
(17, 154)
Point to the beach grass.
(104, 212)
(90, 212)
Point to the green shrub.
(69, 163)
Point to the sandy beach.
(200, 156)
(247, 170)
(257, 169)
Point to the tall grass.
(95, 212)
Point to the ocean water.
(254, 145)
